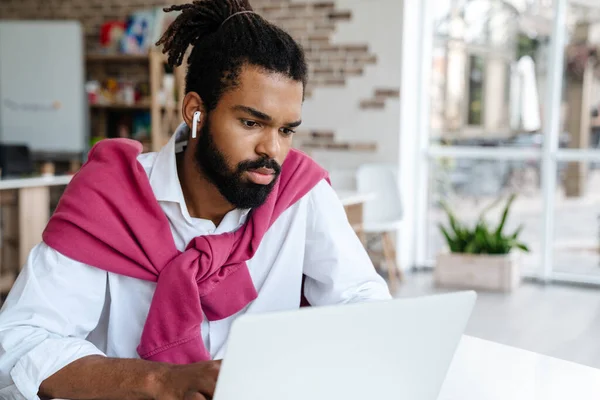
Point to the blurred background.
(420, 110)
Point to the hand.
(188, 382)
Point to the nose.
(269, 145)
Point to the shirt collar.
(164, 178)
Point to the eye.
(287, 131)
(249, 124)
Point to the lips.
(261, 176)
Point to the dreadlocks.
(225, 35)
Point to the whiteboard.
(42, 95)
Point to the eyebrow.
(261, 115)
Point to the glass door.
(576, 236)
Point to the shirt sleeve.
(53, 306)
(338, 269)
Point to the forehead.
(269, 92)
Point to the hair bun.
(196, 21)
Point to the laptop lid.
(398, 349)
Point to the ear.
(193, 104)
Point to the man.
(150, 257)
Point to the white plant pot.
(475, 271)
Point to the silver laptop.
(398, 349)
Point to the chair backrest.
(381, 180)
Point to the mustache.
(270, 163)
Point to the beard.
(240, 192)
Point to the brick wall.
(353, 49)
(310, 23)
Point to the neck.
(202, 198)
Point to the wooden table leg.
(354, 212)
(34, 213)
(390, 257)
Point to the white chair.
(382, 215)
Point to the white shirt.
(60, 310)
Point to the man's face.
(246, 138)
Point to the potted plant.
(480, 257)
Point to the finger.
(206, 375)
(208, 388)
(194, 396)
(214, 368)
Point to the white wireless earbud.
(197, 116)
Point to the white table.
(350, 197)
(24, 183)
(33, 199)
(483, 370)
(353, 203)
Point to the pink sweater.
(109, 218)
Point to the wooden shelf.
(99, 57)
(145, 106)
(120, 58)
(163, 118)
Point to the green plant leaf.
(451, 218)
(463, 239)
(505, 215)
(471, 248)
(515, 235)
(522, 247)
(505, 247)
(481, 239)
(449, 240)
(491, 242)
